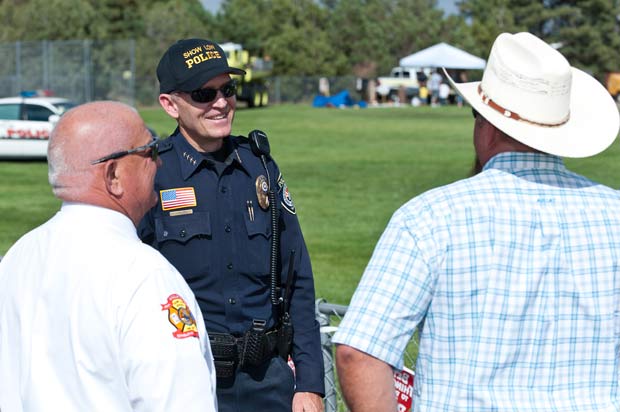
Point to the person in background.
(226, 220)
(90, 317)
(512, 275)
(444, 93)
(423, 92)
(433, 87)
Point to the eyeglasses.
(152, 147)
(474, 113)
(208, 94)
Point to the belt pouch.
(254, 343)
(224, 350)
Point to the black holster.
(254, 348)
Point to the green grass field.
(348, 170)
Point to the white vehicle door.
(25, 121)
(24, 130)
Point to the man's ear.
(169, 105)
(113, 182)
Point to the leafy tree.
(153, 24)
(359, 29)
(587, 31)
(375, 34)
(301, 44)
(321, 37)
(456, 31)
(416, 24)
(164, 23)
(247, 22)
(487, 19)
(46, 20)
(291, 32)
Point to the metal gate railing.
(329, 316)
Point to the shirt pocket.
(257, 251)
(182, 228)
(259, 225)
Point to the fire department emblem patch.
(180, 317)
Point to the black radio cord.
(275, 248)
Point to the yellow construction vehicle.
(252, 87)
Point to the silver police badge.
(262, 187)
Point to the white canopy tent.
(443, 55)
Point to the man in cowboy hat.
(512, 275)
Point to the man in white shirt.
(444, 93)
(90, 317)
(433, 87)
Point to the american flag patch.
(177, 198)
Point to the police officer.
(225, 219)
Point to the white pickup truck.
(388, 87)
(26, 123)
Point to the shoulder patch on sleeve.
(285, 196)
(180, 317)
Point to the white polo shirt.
(92, 319)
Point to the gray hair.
(61, 171)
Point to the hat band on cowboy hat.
(487, 100)
(530, 92)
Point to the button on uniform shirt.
(210, 225)
(91, 319)
(513, 276)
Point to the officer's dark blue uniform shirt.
(209, 224)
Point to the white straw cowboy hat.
(530, 92)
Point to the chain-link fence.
(81, 70)
(329, 316)
(281, 89)
(86, 70)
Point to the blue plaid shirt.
(513, 277)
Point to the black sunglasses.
(153, 147)
(208, 94)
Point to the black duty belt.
(230, 352)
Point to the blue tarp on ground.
(342, 99)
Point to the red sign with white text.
(403, 384)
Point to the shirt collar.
(191, 159)
(99, 215)
(516, 161)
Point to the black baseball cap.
(190, 63)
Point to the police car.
(26, 122)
